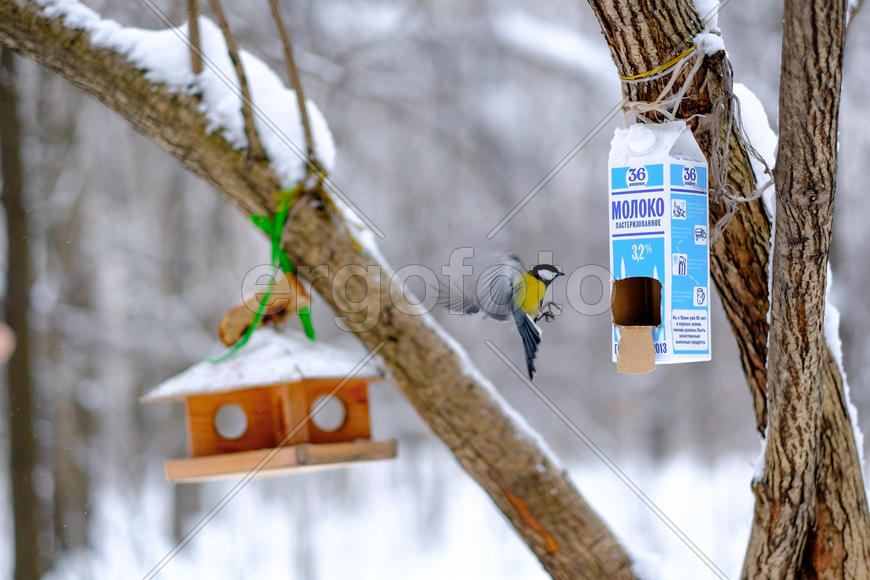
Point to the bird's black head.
(546, 273)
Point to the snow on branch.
(164, 55)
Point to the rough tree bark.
(537, 498)
(22, 442)
(806, 174)
(641, 35)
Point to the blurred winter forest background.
(444, 115)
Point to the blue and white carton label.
(659, 229)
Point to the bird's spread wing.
(456, 299)
(531, 335)
(496, 287)
(492, 292)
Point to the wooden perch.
(288, 297)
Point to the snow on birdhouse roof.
(268, 358)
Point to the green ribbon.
(273, 228)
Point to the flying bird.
(506, 290)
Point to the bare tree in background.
(73, 423)
(830, 538)
(22, 441)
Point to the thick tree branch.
(534, 494)
(805, 176)
(641, 35)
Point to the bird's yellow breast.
(531, 295)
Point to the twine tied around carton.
(666, 104)
(723, 119)
(726, 117)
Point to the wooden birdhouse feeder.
(280, 404)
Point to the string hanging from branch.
(274, 227)
(727, 107)
(724, 118)
(666, 104)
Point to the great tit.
(505, 290)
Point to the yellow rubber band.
(660, 68)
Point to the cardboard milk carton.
(659, 247)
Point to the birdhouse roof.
(268, 358)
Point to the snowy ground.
(416, 517)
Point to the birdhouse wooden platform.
(280, 404)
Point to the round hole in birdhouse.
(231, 421)
(328, 413)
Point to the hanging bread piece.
(288, 297)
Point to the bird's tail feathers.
(531, 335)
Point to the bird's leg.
(549, 312)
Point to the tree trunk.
(22, 442)
(430, 369)
(642, 35)
(806, 173)
(73, 424)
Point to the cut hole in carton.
(636, 306)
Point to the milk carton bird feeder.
(280, 404)
(659, 247)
